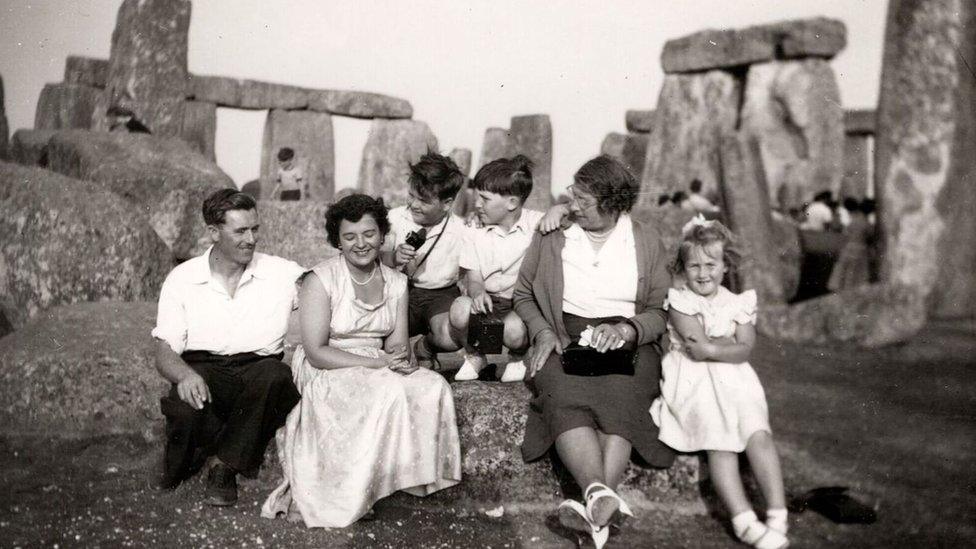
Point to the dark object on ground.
(221, 486)
(486, 332)
(834, 503)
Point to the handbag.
(587, 361)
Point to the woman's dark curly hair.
(610, 182)
(352, 208)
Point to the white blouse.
(604, 283)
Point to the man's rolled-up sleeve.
(171, 324)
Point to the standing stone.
(86, 71)
(746, 200)
(64, 106)
(694, 112)
(29, 147)
(925, 162)
(200, 127)
(630, 149)
(147, 66)
(792, 109)
(391, 147)
(613, 145)
(532, 135)
(857, 161)
(498, 144)
(4, 129)
(462, 157)
(639, 121)
(310, 135)
(464, 202)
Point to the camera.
(416, 239)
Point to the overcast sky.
(465, 66)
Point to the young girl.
(710, 397)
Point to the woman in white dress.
(369, 422)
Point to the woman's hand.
(545, 343)
(400, 360)
(609, 337)
(553, 219)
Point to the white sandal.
(604, 506)
(470, 368)
(573, 515)
(514, 371)
(760, 536)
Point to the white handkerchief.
(584, 339)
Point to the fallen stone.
(268, 95)
(359, 104)
(62, 106)
(640, 121)
(498, 143)
(86, 71)
(220, 90)
(147, 66)
(295, 231)
(532, 136)
(29, 147)
(80, 371)
(200, 127)
(163, 175)
(868, 316)
(310, 135)
(693, 112)
(792, 109)
(724, 49)
(857, 161)
(746, 201)
(390, 149)
(860, 122)
(67, 240)
(925, 167)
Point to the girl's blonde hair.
(702, 234)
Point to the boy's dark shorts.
(424, 304)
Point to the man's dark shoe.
(221, 486)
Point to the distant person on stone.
(853, 266)
(818, 215)
(220, 331)
(121, 119)
(663, 199)
(290, 181)
(491, 259)
(680, 200)
(698, 201)
(425, 243)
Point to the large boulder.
(147, 65)
(694, 112)
(87, 71)
(792, 109)
(66, 106)
(29, 147)
(532, 136)
(295, 231)
(925, 167)
(163, 176)
(728, 49)
(391, 147)
(309, 134)
(82, 370)
(66, 240)
(359, 104)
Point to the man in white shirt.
(431, 267)
(220, 332)
(818, 214)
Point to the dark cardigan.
(538, 297)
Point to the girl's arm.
(700, 348)
(315, 315)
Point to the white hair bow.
(697, 221)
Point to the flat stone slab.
(359, 104)
(728, 48)
(860, 121)
(639, 121)
(88, 71)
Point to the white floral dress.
(360, 434)
(709, 405)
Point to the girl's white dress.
(360, 434)
(709, 405)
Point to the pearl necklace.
(598, 237)
(365, 282)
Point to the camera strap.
(431, 249)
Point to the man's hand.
(480, 302)
(193, 390)
(545, 343)
(404, 254)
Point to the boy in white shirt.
(491, 259)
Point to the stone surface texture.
(221, 90)
(269, 95)
(147, 66)
(359, 104)
(498, 143)
(639, 121)
(857, 161)
(310, 134)
(66, 240)
(464, 203)
(792, 109)
(925, 167)
(82, 370)
(87, 71)
(391, 147)
(163, 176)
(62, 106)
(295, 231)
(532, 136)
(29, 147)
(789, 250)
(200, 127)
(463, 159)
(613, 145)
(628, 148)
(860, 121)
(694, 112)
(726, 49)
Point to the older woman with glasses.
(603, 278)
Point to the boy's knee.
(460, 313)
(440, 333)
(515, 333)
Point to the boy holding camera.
(425, 242)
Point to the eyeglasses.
(581, 202)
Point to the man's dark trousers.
(251, 396)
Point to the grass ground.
(897, 425)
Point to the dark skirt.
(613, 404)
